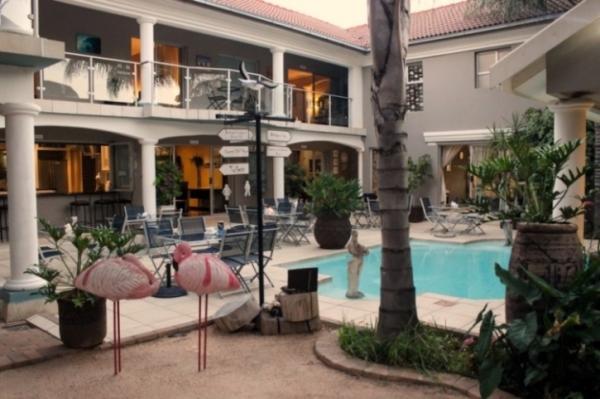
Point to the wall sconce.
(449, 168)
(461, 155)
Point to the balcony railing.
(112, 81)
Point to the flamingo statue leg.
(199, 333)
(205, 326)
(119, 332)
(115, 336)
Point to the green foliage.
(295, 179)
(418, 172)
(423, 348)
(167, 182)
(554, 351)
(333, 196)
(523, 175)
(508, 10)
(78, 249)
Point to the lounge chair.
(434, 217)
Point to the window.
(414, 87)
(484, 60)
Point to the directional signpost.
(235, 134)
(282, 136)
(282, 152)
(230, 169)
(234, 151)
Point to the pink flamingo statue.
(116, 279)
(202, 274)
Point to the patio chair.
(373, 212)
(269, 202)
(157, 250)
(234, 251)
(236, 215)
(134, 216)
(252, 216)
(302, 226)
(284, 205)
(193, 225)
(269, 241)
(472, 222)
(360, 217)
(47, 253)
(433, 217)
(172, 214)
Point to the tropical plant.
(524, 176)
(295, 179)
(554, 350)
(333, 196)
(389, 24)
(78, 249)
(418, 172)
(167, 182)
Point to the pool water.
(460, 270)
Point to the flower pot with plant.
(82, 316)
(418, 172)
(333, 199)
(531, 182)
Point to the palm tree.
(389, 23)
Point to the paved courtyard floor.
(144, 317)
(238, 366)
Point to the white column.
(22, 202)
(355, 92)
(147, 58)
(278, 177)
(148, 176)
(570, 124)
(14, 17)
(278, 77)
(360, 171)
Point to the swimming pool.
(460, 270)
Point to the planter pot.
(332, 232)
(416, 214)
(83, 327)
(550, 251)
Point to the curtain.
(449, 152)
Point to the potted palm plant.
(167, 182)
(418, 172)
(524, 178)
(333, 199)
(82, 316)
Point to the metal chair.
(172, 214)
(374, 213)
(134, 216)
(156, 249)
(236, 215)
(284, 205)
(433, 217)
(235, 251)
(193, 225)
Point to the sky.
(347, 13)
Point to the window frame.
(496, 51)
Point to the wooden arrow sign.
(278, 152)
(230, 169)
(282, 136)
(236, 134)
(234, 151)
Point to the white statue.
(226, 192)
(355, 266)
(247, 188)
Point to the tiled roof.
(438, 22)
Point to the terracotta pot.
(83, 327)
(332, 232)
(550, 251)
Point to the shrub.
(554, 351)
(423, 348)
(333, 196)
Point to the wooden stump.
(270, 325)
(299, 307)
(236, 314)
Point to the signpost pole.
(259, 208)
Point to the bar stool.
(81, 209)
(123, 199)
(105, 207)
(3, 218)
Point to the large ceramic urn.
(550, 251)
(332, 232)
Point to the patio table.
(286, 221)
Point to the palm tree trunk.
(596, 229)
(389, 22)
